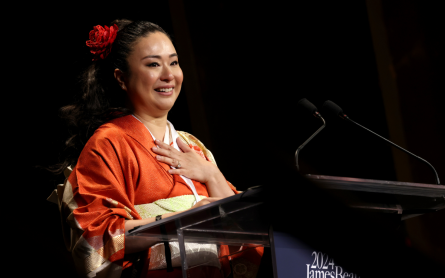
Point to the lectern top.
(379, 186)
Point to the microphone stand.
(345, 117)
(309, 139)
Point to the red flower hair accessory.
(101, 40)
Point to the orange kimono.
(116, 171)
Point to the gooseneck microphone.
(335, 109)
(311, 108)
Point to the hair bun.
(121, 23)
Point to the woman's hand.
(193, 166)
(206, 201)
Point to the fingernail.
(158, 157)
(154, 148)
(170, 171)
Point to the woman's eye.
(174, 63)
(153, 65)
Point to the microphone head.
(333, 108)
(308, 105)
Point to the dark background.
(251, 65)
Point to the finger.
(162, 145)
(176, 171)
(163, 159)
(168, 152)
(174, 163)
(183, 146)
(162, 152)
(167, 160)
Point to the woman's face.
(155, 78)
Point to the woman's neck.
(155, 125)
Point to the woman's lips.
(165, 91)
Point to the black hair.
(101, 99)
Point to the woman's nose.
(167, 74)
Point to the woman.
(133, 159)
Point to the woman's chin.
(166, 102)
(165, 105)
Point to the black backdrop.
(254, 64)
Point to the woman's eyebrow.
(159, 57)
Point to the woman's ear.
(119, 75)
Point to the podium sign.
(294, 258)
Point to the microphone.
(311, 108)
(336, 110)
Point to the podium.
(245, 220)
(237, 220)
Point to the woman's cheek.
(179, 75)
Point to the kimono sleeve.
(101, 185)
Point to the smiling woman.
(153, 81)
(125, 159)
